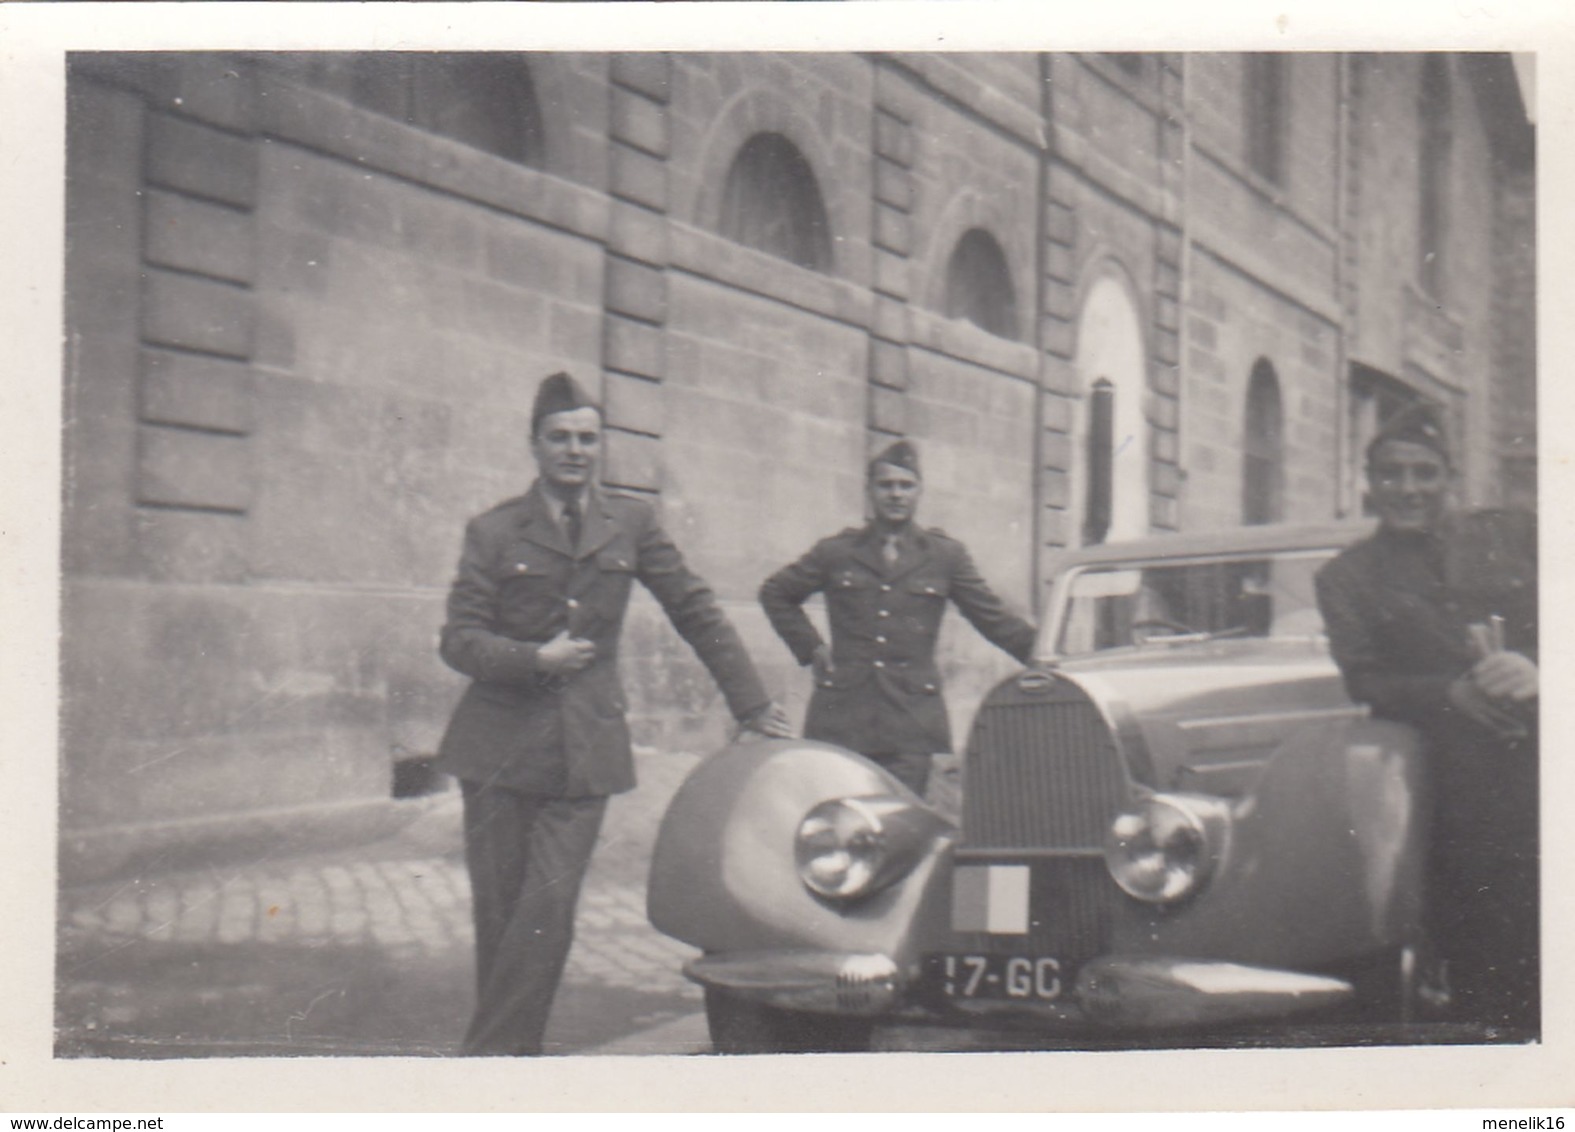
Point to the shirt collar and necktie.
(572, 522)
(892, 546)
(570, 516)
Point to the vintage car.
(1174, 819)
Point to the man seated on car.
(1433, 622)
(877, 688)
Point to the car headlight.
(1164, 849)
(852, 847)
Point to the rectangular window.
(1265, 101)
(1101, 462)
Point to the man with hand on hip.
(886, 585)
(540, 740)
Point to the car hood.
(1204, 715)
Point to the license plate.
(1024, 978)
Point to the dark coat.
(518, 587)
(1397, 607)
(884, 696)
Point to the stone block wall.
(303, 337)
(1110, 205)
(296, 368)
(1443, 345)
(1514, 389)
(1234, 324)
(1262, 287)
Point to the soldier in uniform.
(886, 585)
(1433, 622)
(539, 739)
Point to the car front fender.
(1324, 860)
(723, 876)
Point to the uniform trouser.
(527, 856)
(910, 769)
(1487, 931)
(1482, 882)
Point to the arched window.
(1263, 449)
(482, 98)
(1265, 104)
(1433, 173)
(771, 201)
(979, 284)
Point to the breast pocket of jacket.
(529, 576)
(848, 590)
(615, 570)
(924, 599)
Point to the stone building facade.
(309, 296)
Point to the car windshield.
(1165, 603)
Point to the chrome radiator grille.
(1042, 781)
(1042, 773)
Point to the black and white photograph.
(592, 556)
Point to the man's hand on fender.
(564, 654)
(770, 721)
(1506, 677)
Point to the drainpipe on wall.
(1183, 333)
(1343, 488)
(1041, 265)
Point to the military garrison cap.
(901, 454)
(559, 393)
(1418, 423)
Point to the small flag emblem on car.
(990, 898)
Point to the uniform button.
(574, 603)
(880, 640)
(883, 613)
(880, 664)
(520, 567)
(885, 587)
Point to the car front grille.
(1042, 773)
(1042, 781)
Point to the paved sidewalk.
(364, 951)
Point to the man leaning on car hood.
(540, 738)
(1433, 622)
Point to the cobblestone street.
(365, 950)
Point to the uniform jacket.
(1397, 607)
(884, 696)
(518, 586)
